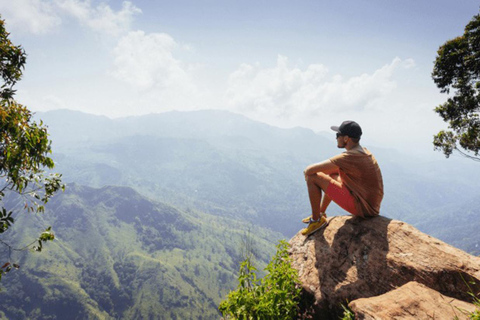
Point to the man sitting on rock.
(351, 179)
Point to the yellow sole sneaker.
(314, 226)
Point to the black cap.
(348, 128)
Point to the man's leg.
(326, 199)
(315, 184)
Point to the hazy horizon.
(311, 65)
(425, 155)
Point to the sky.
(288, 63)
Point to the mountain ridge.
(254, 172)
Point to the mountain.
(457, 226)
(217, 161)
(160, 209)
(228, 165)
(119, 255)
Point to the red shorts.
(342, 196)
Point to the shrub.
(276, 296)
(476, 314)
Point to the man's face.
(341, 141)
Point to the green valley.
(120, 255)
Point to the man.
(351, 179)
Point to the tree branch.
(467, 155)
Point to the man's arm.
(327, 167)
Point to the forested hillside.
(120, 255)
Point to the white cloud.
(147, 63)
(252, 89)
(43, 16)
(102, 18)
(29, 16)
(284, 92)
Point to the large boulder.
(412, 301)
(353, 258)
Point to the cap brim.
(335, 128)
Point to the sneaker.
(308, 219)
(314, 226)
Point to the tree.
(24, 149)
(457, 69)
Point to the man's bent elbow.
(310, 170)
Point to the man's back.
(361, 174)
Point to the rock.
(411, 301)
(355, 258)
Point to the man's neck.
(352, 145)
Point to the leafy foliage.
(476, 301)
(347, 313)
(276, 296)
(12, 61)
(457, 68)
(476, 314)
(24, 146)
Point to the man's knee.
(310, 179)
(319, 179)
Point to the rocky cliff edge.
(383, 269)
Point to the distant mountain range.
(160, 209)
(227, 164)
(216, 161)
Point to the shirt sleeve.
(338, 159)
(348, 163)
